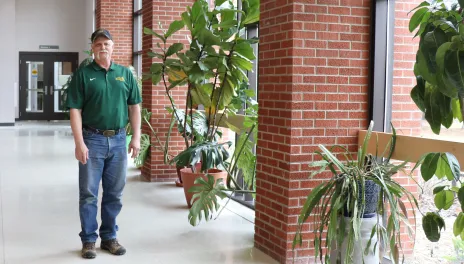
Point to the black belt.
(106, 133)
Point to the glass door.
(42, 77)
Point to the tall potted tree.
(213, 69)
(439, 93)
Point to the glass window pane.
(35, 87)
(137, 5)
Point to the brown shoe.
(88, 250)
(113, 247)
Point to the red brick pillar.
(154, 97)
(406, 116)
(313, 82)
(116, 16)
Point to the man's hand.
(134, 147)
(82, 153)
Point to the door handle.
(45, 90)
(51, 89)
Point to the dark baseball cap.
(101, 33)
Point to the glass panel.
(138, 33)
(137, 5)
(35, 87)
(62, 71)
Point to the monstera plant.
(212, 71)
(439, 67)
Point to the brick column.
(116, 16)
(154, 97)
(406, 116)
(313, 82)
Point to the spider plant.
(342, 198)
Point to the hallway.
(39, 217)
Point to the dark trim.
(381, 62)
(137, 13)
(6, 124)
(238, 199)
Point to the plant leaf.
(432, 224)
(149, 31)
(174, 48)
(205, 199)
(429, 166)
(174, 27)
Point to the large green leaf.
(206, 37)
(433, 109)
(201, 96)
(454, 68)
(174, 48)
(454, 166)
(461, 197)
(245, 49)
(422, 68)
(458, 224)
(205, 199)
(429, 166)
(443, 81)
(149, 31)
(432, 224)
(174, 27)
(444, 199)
(242, 63)
(429, 45)
(456, 108)
(418, 93)
(416, 19)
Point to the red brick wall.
(154, 97)
(406, 117)
(313, 82)
(116, 16)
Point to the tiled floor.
(39, 217)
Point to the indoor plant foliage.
(340, 204)
(439, 67)
(439, 93)
(443, 166)
(214, 71)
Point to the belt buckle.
(109, 133)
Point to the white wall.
(7, 61)
(66, 23)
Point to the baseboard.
(7, 124)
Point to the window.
(251, 31)
(137, 38)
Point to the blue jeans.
(107, 162)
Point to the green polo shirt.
(103, 96)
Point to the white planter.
(359, 247)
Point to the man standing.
(102, 97)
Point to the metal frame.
(381, 64)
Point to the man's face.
(102, 48)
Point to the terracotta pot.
(188, 179)
(178, 181)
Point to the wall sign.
(49, 47)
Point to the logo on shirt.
(120, 79)
(91, 79)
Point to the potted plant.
(439, 61)
(351, 204)
(213, 69)
(439, 93)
